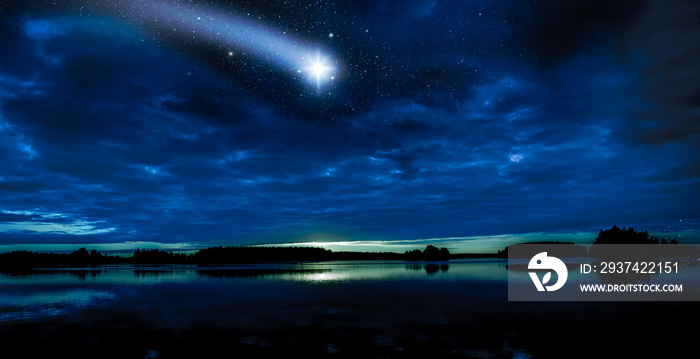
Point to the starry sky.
(465, 124)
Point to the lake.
(340, 309)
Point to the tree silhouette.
(615, 235)
(431, 253)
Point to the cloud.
(39, 222)
(43, 30)
(76, 228)
(562, 30)
(664, 50)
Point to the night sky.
(384, 124)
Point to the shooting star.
(310, 63)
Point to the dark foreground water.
(337, 310)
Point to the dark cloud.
(562, 29)
(670, 77)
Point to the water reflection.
(430, 268)
(259, 272)
(322, 309)
(45, 292)
(434, 268)
(78, 273)
(152, 272)
(37, 305)
(325, 276)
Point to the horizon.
(456, 245)
(372, 126)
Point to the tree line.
(233, 255)
(626, 236)
(208, 256)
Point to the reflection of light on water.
(327, 276)
(456, 270)
(37, 305)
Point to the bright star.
(319, 70)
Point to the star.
(319, 70)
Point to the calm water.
(334, 309)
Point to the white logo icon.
(541, 261)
